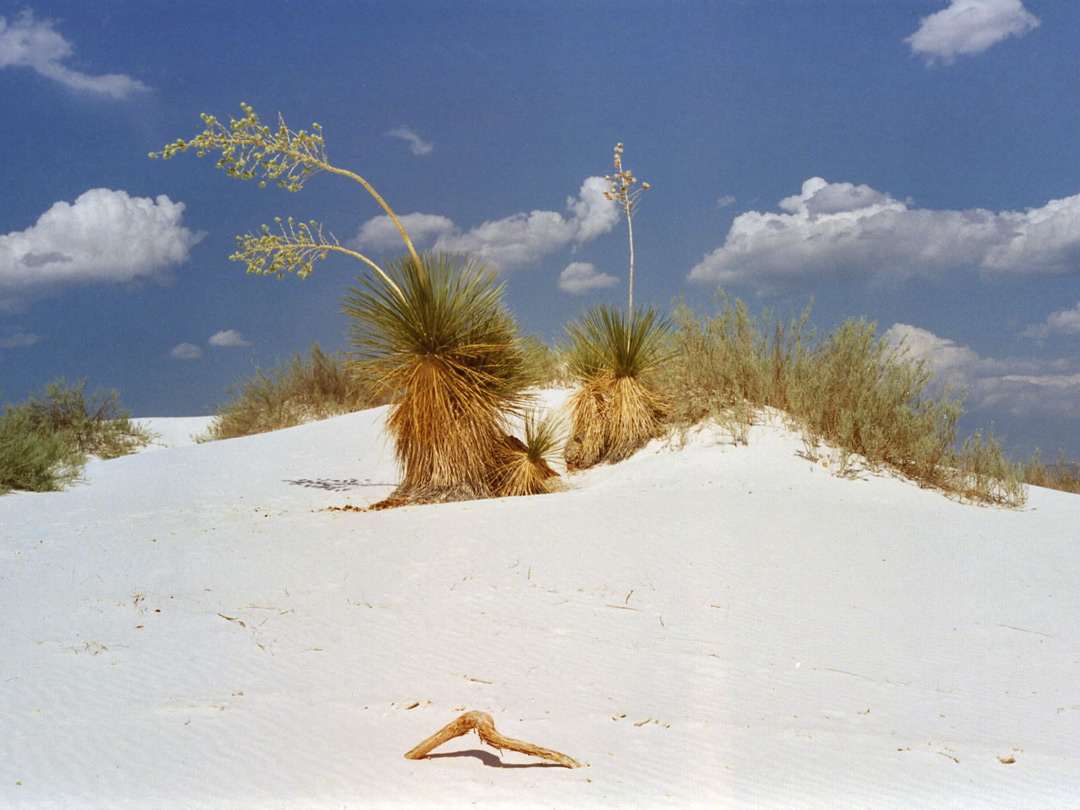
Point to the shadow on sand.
(491, 760)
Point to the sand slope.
(712, 626)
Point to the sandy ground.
(705, 626)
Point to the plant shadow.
(335, 484)
(491, 760)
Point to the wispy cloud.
(185, 351)
(1063, 322)
(36, 44)
(1022, 387)
(418, 145)
(969, 27)
(229, 339)
(832, 231)
(104, 236)
(515, 241)
(18, 340)
(581, 277)
(725, 201)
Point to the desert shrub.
(865, 396)
(723, 364)
(982, 472)
(1064, 476)
(296, 391)
(46, 441)
(849, 389)
(93, 424)
(545, 366)
(30, 460)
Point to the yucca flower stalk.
(623, 193)
(251, 149)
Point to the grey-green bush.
(296, 391)
(850, 389)
(46, 441)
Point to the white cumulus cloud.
(228, 338)
(185, 351)
(1063, 322)
(104, 236)
(417, 144)
(581, 277)
(27, 42)
(835, 231)
(970, 26)
(515, 241)
(1021, 387)
(380, 233)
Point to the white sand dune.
(713, 626)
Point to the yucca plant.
(431, 329)
(524, 467)
(617, 409)
(612, 354)
(448, 353)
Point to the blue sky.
(913, 162)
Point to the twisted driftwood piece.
(485, 727)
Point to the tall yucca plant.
(432, 329)
(617, 409)
(613, 354)
(449, 354)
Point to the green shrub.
(30, 460)
(867, 397)
(297, 391)
(46, 441)
(726, 362)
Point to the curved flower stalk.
(250, 149)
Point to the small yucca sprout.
(525, 467)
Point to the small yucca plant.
(448, 353)
(525, 466)
(617, 409)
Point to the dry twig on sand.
(485, 727)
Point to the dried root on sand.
(485, 727)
